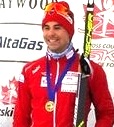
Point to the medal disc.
(49, 106)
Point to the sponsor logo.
(103, 57)
(103, 19)
(22, 3)
(22, 43)
(8, 112)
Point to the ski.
(84, 67)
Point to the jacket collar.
(68, 53)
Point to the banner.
(21, 40)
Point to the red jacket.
(33, 94)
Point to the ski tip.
(90, 3)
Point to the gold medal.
(49, 106)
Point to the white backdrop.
(21, 41)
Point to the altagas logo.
(9, 92)
(103, 20)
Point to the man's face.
(55, 36)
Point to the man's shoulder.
(95, 64)
(96, 67)
(31, 65)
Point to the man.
(48, 86)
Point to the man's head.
(61, 13)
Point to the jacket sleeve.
(22, 109)
(101, 98)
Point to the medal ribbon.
(52, 91)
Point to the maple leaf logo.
(9, 92)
